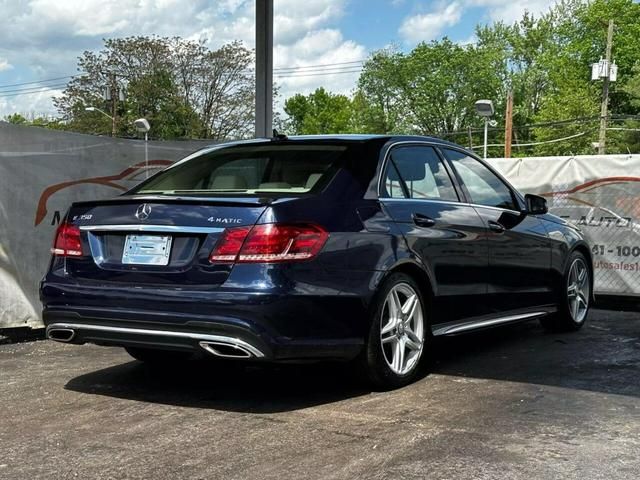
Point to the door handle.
(496, 227)
(422, 220)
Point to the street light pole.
(146, 153)
(484, 108)
(486, 136)
(142, 125)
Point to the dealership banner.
(601, 195)
(41, 173)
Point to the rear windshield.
(250, 170)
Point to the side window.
(421, 171)
(484, 187)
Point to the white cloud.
(43, 38)
(428, 26)
(322, 47)
(5, 65)
(33, 105)
(510, 11)
(295, 18)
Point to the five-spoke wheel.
(574, 301)
(578, 290)
(398, 332)
(402, 328)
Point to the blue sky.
(41, 39)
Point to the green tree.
(184, 89)
(319, 112)
(580, 33)
(15, 119)
(432, 89)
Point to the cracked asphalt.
(512, 403)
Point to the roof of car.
(345, 138)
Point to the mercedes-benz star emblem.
(143, 211)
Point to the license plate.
(146, 250)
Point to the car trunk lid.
(157, 239)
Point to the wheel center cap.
(401, 328)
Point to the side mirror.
(536, 205)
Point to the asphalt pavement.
(511, 403)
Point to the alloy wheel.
(578, 290)
(402, 329)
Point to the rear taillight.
(67, 242)
(270, 242)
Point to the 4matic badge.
(225, 220)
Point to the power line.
(612, 118)
(555, 140)
(31, 92)
(318, 73)
(29, 89)
(40, 81)
(281, 72)
(315, 67)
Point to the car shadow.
(603, 357)
(229, 386)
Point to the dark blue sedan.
(353, 248)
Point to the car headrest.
(410, 169)
(312, 180)
(228, 182)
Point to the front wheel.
(574, 303)
(396, 341)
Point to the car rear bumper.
(231, 338)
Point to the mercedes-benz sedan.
(358, 248)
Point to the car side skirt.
(490, 321)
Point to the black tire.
(566, 319)
(157, 356)
(373, 361)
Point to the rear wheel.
(396, 341)
(156, 356)
(573, 307)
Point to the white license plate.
(146, 250)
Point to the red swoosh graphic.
(41, 210)
(594, 183)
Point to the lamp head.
(142, 125)
(484, 108)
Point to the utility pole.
(602, 140)
(114, 102)
(508, 126)
(264, 68)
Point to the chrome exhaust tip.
(226, 349)
(61, 334)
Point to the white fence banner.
(41, 173)
(601, 195)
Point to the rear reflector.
(271, 242)
(67, 242)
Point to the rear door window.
(418, 172)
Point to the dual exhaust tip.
(61, 334)
(219, 348)
(226, 349)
